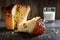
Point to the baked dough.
(34, 26)
(15, 14)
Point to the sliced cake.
(34, 26)
(14, 14)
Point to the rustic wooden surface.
(50, 33)
(10, 35)
(56, 23)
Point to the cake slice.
(14, 14)
(34, 26)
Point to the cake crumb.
(16, 31)
(12, 32)
(57, 32)
(53, 30)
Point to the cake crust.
(39, 28)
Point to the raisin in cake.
(14, 14)
(34, 26)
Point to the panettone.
(14, 14)
(34, 26)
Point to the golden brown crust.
(8, 20)
(8, 16)
(39, 29)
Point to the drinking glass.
(49, 14)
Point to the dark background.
(36, 6)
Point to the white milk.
(49, 15)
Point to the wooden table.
(50, 34)
(54, 24)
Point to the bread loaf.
(14, 14)
(34, 26)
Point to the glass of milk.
(49, 14)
